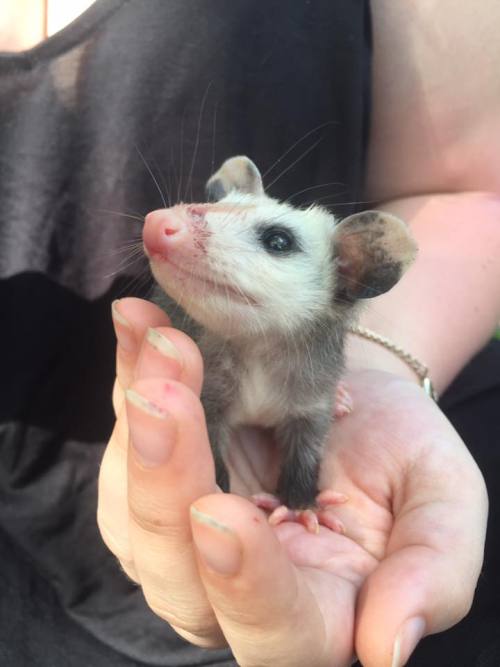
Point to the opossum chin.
(193, 282)
(219, 306)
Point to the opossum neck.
(319, 340)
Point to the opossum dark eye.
(278, 240)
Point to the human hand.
(210, 564)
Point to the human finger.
(131, 319)
(166, 353)
(170, 465)
(267, 610)
(112, 508)
(170, 353)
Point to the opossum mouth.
(225, 290)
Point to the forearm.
(448, 304)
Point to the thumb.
(266, 611)
(403, 600)
(426, 583)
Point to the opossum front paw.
(311, 518)
(343, 401)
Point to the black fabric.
(186, 84)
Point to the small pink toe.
(266, 501)
(329, 520)
(280, 514)
(343, 401)
(328, 497)
(309, 520)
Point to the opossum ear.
(372, 250)
(238, 173)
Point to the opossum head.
(246, 264)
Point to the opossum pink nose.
(163, 230)
(170, 229)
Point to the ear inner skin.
(372, 251)
(238, 173)
(215, 190)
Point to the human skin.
(208, 562)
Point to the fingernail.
(152, 446)
(123, 329)
(145, 404)
(410, 633)
(218, 546)
(162, 344)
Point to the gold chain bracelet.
(417, 366)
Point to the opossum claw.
(311, 519)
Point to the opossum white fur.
(273, 289)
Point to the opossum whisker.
(245, 247)
(296, 143)
(309, 356)
(136, 284)
(317, 201)
(132, 247)
(129, 253)
(190, 269)
(134, 242)
(152, 175)
(292, 355)
(181, 157)
(145, 286)
(313, 187)
(132, 254)
(229, 214)
(175, 179)
(287, 169)
(214, 129)
(370, 202)
(228, 282)
(245, 228)
(150, 292)
(162, 179)
(133, 250)
(120, 213)
(124, 265)
(197, 140)
(185, 318)
(228, 301)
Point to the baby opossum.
(273, 289)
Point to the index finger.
(132, 317)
